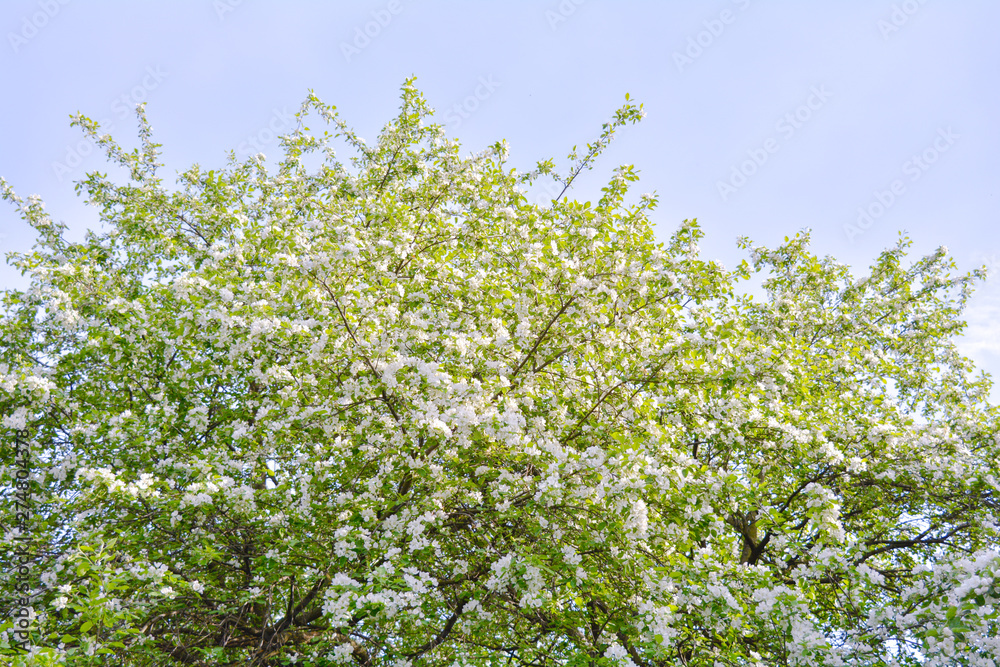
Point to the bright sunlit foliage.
(389, 411)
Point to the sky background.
(763, 118)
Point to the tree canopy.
(394, 411)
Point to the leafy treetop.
(395, 413)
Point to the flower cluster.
(391, 412)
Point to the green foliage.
(391, 413)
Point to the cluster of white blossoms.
(393, 413)
(825, 511)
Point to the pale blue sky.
(838, 97)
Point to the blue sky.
(855, 119)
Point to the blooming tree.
(394, 412)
